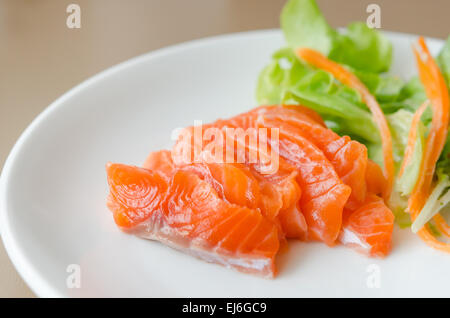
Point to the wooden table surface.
(41, 58)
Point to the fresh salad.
(343, 76)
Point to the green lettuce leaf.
(288, 80)
(359, 46)
(363, 48)
(275, 80)
(304, 26)
(344, 113)
(411, 96)
(385, 88)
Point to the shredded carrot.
(318, 60)
(437, 92)
(442, 225)
(426, 236)
(409, 151)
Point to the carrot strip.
(426, 236)
(437, 92)
(442, 225)
(318, 60)
(409, 151)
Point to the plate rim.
(34, 279)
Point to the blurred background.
(41, 58)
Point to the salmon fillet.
(192, 218)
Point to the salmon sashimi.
(323, 221)
(162, 162)
(236, 184)
(375, 180)
(282, 193)
(134, 193)
(246, 120)
(369, 228)
(233, 182)
(348, 157)
(310, 113)
(279, 190)
(350, 160)
(193, 218)
(323, 193)
(231, 192)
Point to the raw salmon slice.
(236, 184)
(312, 114)
(292, 221)
(369, 228)
(348, 157)
(193, 218)
(323, 193)
(279, 191)
(233, 182)
(135, 193)
(376, 182)
(283, 181)
(162, 162)
(246, 120)
(354, 168)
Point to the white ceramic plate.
(53, 186)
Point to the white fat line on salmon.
(257, 146)
(199, 308)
